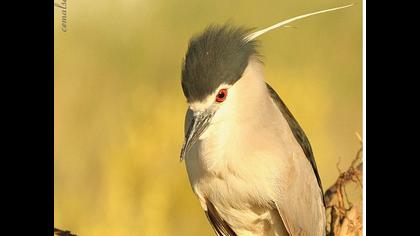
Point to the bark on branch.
(345, 217)
(59, 232)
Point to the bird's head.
(219, 72)
(215, 61)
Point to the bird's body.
(235, 178)
(248, 160)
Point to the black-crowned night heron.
(248, 160)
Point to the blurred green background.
(119, 107)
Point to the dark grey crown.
(218, 55)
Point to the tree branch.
(345, 220)
(59, 232)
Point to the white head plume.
(285, 22)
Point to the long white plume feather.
(285, 22)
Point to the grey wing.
(297, 132)
(307, 214)
(220, 226)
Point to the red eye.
(221, 95)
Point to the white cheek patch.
(201, 106)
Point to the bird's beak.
(198, 125)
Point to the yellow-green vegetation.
(119, 107)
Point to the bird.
(248, 160)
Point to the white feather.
(285, 22)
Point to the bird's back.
(306, 197)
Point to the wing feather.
(297, 132)
(220, 226)
(301, 214)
